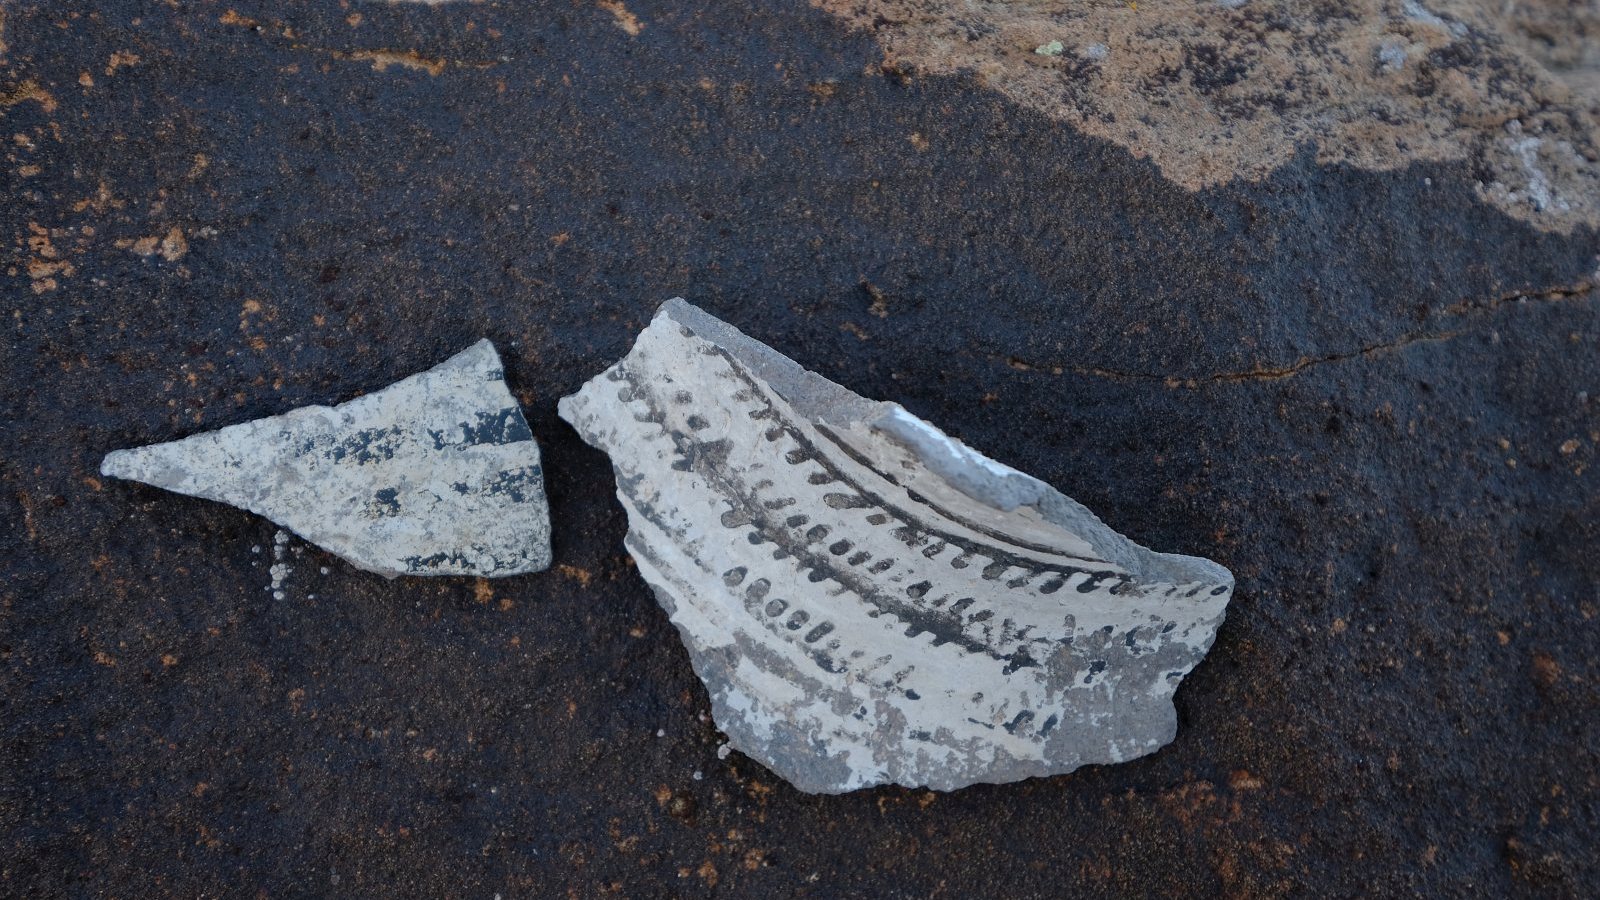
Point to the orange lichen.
(406, 59)
(625, 19)
(28, 90)
(121, 59)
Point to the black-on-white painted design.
(870, 601)
(437, 474)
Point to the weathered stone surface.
(437, 474)
(870, 601)
(1229, 90)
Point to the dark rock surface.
(1371, 396)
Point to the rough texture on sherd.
(869, 601)
(437, 474)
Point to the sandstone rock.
(1232, 91)
(869, 601)
(437, 474)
